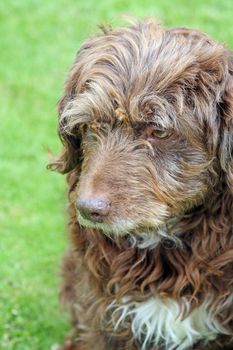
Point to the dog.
(146, 123)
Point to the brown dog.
(147, 127)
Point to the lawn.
(38, 41)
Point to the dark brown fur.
(124, 82)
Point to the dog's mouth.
(143, 236)
(98, 216)
(120, 227)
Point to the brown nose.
(94, 209)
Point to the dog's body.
(147, 127)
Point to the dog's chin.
(118, 228)
(143, 236)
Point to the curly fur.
(168, 236)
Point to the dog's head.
(147, 126)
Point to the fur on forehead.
(146, 74)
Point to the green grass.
(38, 40)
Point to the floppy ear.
(214, 82)
(225, 110)
(70, 154)
(68, 110)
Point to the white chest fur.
(158, 321)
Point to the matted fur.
(168, 235)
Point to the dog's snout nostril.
(94, 209)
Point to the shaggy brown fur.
(147, 124)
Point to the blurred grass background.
(38, 41)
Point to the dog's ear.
(215, 83)
(70, 156)
(213, 101)
(70, 111)
(225, 132)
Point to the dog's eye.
(160, 134)
(152, 134)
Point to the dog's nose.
(94, 209)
